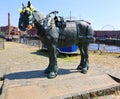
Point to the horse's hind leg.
(84, 63)
(80, 66)
(86, 58)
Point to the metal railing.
(30, 41)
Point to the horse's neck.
(40, 29)
(38, 15)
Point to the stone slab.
(60, 88)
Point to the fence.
(93, 46)
(1, 43)
(30, 42)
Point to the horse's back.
(85, 28)
(73, 30)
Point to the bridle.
(32, 19)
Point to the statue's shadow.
(41, 52)
(36, 74)
(60, 55)
(26, 75)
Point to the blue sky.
(103, 14)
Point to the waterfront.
(92, 46)
(106, 48)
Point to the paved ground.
(25, 79)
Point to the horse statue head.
(28, 16)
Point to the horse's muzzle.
(21, 27)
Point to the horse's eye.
(27, 12)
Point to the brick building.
(12, 30)
(32, 31)
(9, 30)
(108, 34)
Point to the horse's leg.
(86, 60)
(80, 45)
(52, 68)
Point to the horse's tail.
(85, 32)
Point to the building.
(9, 30)
(108, 34)
(32, 31)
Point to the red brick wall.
(107, 34)
(33, 31)
(13, 30)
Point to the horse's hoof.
(84, 71)
(79, 67)
(87, 67)
(52, 75)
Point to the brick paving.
(25, 79)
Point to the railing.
(31, 41)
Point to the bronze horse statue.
(58, 34)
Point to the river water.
(107, 48)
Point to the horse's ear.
(29, 4)
(23, 5)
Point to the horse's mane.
(38, 15)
